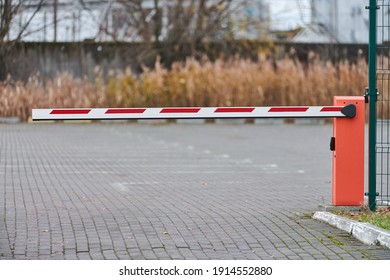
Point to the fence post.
(348, 155)
(372, 95)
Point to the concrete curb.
(365, 232)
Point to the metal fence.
(379, 99)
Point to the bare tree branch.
(7, 11)
(175, 22)
(10, 9)
(24, 27)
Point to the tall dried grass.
(236, 82)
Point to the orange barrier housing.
(348, 156)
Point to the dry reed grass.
(236, 82)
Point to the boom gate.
(347, 143)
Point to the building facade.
(336, 21)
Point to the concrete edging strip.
(364, 232)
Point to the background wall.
(82, 59)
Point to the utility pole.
(55, 8)
(157, 25)
(44, 26)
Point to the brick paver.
(177, 191)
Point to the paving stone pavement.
(174, 191)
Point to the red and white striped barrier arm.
(348, 111)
